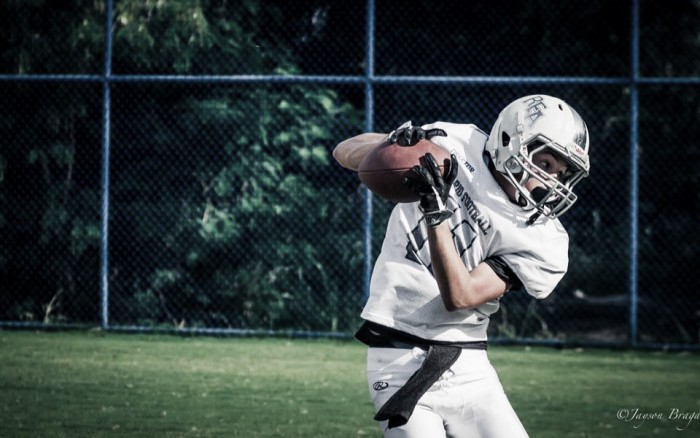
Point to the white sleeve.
(541, 268)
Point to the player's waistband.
(379, 336)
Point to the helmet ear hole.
(505, 139)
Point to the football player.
(486, 225)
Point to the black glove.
(409, 135)
(433, 188)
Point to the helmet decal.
(580, 130)
(534, 108)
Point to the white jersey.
(403, 291)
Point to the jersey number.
(463, 236)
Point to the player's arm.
(459, 287)
(349, 153)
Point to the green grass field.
(79, 384)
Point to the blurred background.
(166, 165)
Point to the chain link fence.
(166, 165)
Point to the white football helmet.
(534, 124)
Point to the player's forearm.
(460, 288)
(453, 278)
(349, 153)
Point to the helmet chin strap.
(538, 194)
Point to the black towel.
(399, 407)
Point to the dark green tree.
(225, 209)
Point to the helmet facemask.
(554, 195)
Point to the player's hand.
(433, 188)
(409, 135)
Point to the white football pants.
(467, 401)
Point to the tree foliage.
(224, 209)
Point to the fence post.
(634, 178)
(106, 109)
(369, 127)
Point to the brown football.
(383, 169)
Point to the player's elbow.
(459, 302)
(340, 155)
(467, 297)
(453, 307)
